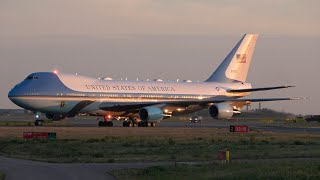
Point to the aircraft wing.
(215, 101)
(256, 89)
(125, 106)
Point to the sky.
(168, 39)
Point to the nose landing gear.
(38, 122)
(131, 122)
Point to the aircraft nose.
(10, 94)
(14, 92)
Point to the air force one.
(142, 103)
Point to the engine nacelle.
(151, 114)
(221, 111)
(55, 117)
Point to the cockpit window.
(31, 77)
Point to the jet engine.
(55, 117)
(221, 111)
(151, 114)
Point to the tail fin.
(236, 65)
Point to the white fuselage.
(82, 88)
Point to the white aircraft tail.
(236, 65)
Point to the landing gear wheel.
(101, 123)
(105, 123)
(129, 123)
(38, 123)
(126, 123)
(153, 124)
(109, 123)
(139, 124)
(143, 124)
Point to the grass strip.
(292, 169)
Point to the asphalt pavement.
(272, 127)
(17, 169)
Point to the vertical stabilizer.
(236, 65)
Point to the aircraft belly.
(188, 110)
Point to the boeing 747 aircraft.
(142, 103)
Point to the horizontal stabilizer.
(256, 89)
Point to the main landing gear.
(107, 122)
(146, 124)
(129, 123)
(133, 123)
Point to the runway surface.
(252, 126)
(84, 121)
(272, 127)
